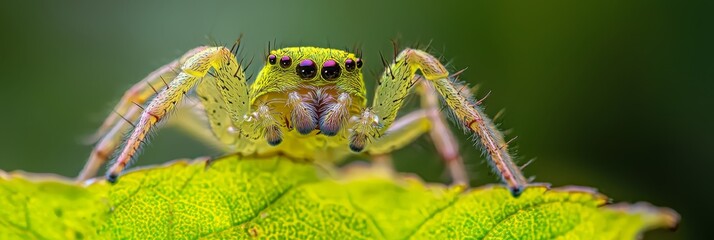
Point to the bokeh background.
(615, 95)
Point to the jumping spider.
(306, 103)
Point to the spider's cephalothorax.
(306, 103)
(313, 91)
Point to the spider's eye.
(285, 61)
(306, 69)
(359, 63)
(272, 59)
(331, 70)
(350, 65)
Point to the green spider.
(307, 103)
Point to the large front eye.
(306, 69)
(331, 70)
(285, 61)
(272, 59)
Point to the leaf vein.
(131, 195)
(431, 216)
(257, 213)
(371, 218)
(511, 215)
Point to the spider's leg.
(109, 135)
(140, 93)
(192, 120)
(226, 133)
(394, 86)
(230, 80)
(440, 133)
(429, 119)
(401, 133)
(111, 139)
(215, 110)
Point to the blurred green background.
(615, 95)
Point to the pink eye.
(350, 65)
(331, 70)
(272, 59)
(306, 69)
(285, 61)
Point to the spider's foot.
(358, 141)
(516, 191)
(112, 178)
(274, 141)
(356, 147)
(273, 135)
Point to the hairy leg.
(429, 119)
(444, 140)
(393, 88)
(229, 79)
(191, 119)
(141, 92)
(107, 144)
(126, 112)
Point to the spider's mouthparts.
(302, 113)
(319, 110)
(335, 115)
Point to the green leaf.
(278, 198)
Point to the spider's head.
(293, 68)
(321, 77)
